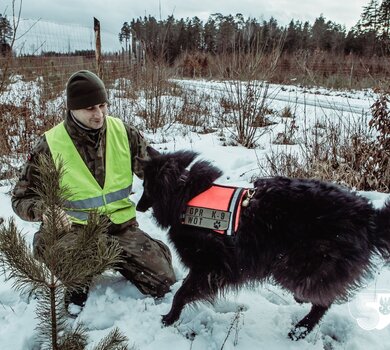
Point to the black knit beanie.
(84, 89)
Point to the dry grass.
(304, 68)
(20, 126)
(357, 156)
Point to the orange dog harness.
(217, 208)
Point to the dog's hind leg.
(305, 326)
(191, 290)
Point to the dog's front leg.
(188, 292)
(305, 326)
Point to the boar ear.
(152, 152)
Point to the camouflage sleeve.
(25, 202)
(138, 146)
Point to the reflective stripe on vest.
(98, 201)
(86, 194)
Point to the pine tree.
(210, 32)
(384, 16)
(125, 35)
(373, 27)
(195, 32)
(384, 19)
(6, 30)
(290, 44)
(65, 267)
(370, 17)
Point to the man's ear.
(152, 152)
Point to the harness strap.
(234, 205)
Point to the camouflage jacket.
(91, 146)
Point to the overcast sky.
(113, 13)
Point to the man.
(99, 153)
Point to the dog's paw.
(168, 320)
(298, 333)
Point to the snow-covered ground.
(258, 318)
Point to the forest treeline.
(321, 52)
(225, 34)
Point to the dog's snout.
(143, 204)
(141, 208)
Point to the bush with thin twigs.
(20, 126)
(193, 65)
(358, 157)
(145, 96)
(287, 112)
(195, 111)
(377, 164)
(160, 105)
(235, 325)
(245, 99)
(244, 105)
(288, 135)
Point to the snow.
(258, 318)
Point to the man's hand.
(63, 219)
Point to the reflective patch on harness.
(218, 208)
(207, 218)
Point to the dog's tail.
(383, 231)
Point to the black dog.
(313, 238)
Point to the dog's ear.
(142, 161)
(152, 152)
(184, 158)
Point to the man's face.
(93, 116)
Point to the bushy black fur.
(313, 238)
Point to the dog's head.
(161, 174)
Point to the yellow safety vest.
(86, 193)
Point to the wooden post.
(98, 48)
(350, 75)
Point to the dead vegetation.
(354, 154)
